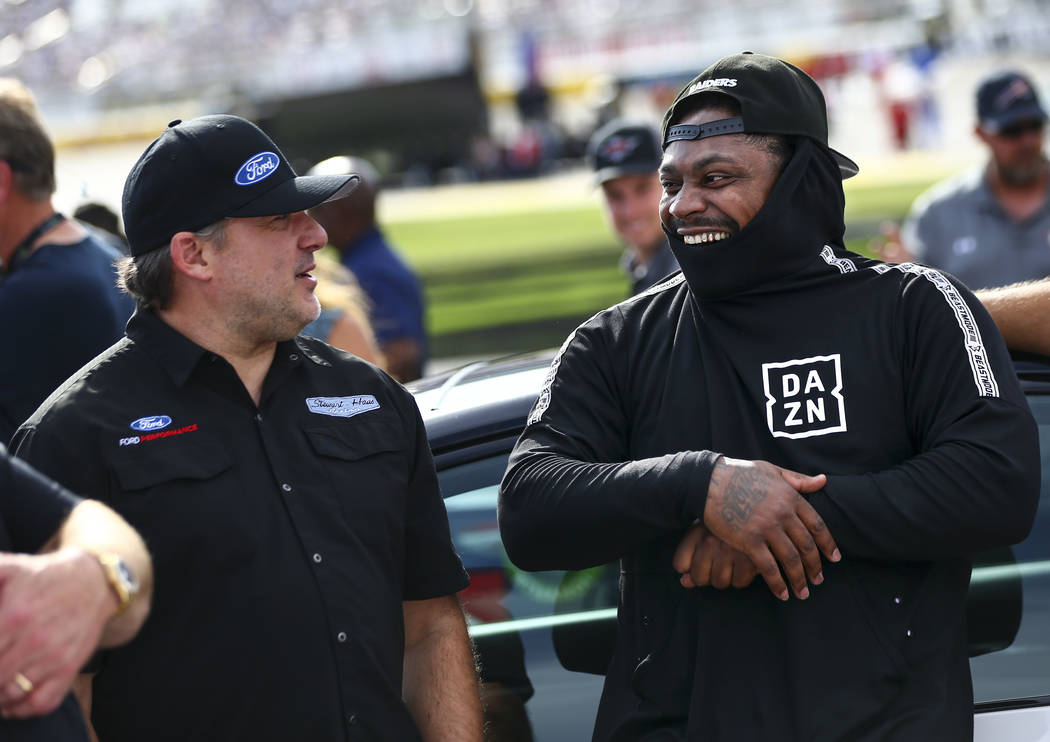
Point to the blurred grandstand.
(451, 90)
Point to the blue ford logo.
(260, 166)
(152, 422)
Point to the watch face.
(127, 575)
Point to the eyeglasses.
(1018, 130)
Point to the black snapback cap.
(209, 168)
(775, 97)
(623, 148)
(1007, 98)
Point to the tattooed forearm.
(743, 490)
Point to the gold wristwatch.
(120, 577)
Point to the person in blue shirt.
(393, 290)
(58, 293)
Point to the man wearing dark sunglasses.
(991, 226)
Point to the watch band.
(120, 578)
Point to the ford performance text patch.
(260, 166)
(342, 406)
(150, 422)
(804, 397)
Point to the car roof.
(486, 399)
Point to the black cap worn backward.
(203, 170)
(624, 148)
(775, 97)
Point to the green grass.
(500, 241)
(510, 281)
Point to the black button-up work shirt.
(285, 536)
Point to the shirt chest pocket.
(365, 462)
(182, 463)
(180, 493)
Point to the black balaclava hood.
(804, 212)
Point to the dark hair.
(149, 277)
(98, 215)
(778, 145)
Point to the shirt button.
(258, 417)
(908, 633)
(293, 357)
(286, 487)
(352, 719)
(897, 600)
(317, 558)
(341, 636)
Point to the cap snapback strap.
(702, 131)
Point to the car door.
(1009, 613)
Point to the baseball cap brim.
(298, 194)
(619, 171)
(1031, 112)
(847, 167)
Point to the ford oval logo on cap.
(151, 422)
(257, 168)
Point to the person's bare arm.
(57, 607)
(440, 684)
(1021, 312)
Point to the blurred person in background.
(104, 219)
(74, 576)
(285, 487)
(989, 226)
(58, 293)
(343, 322)
(625, 157)
(393, 290)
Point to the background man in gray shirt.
(991, 226)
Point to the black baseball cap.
(775, 97)
(1007, 98)
(623, 148)
(203, 170)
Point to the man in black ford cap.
(849, 429)
(286, 489)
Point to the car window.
(528, 627)
(1019, 580)
(506, 592)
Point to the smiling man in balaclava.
(848, 430)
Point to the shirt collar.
(179, 356)
(176, 353)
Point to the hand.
(703, 559)
(757, 508)
(52, 611)
(887, 246)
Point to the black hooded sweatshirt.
(778, 344)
